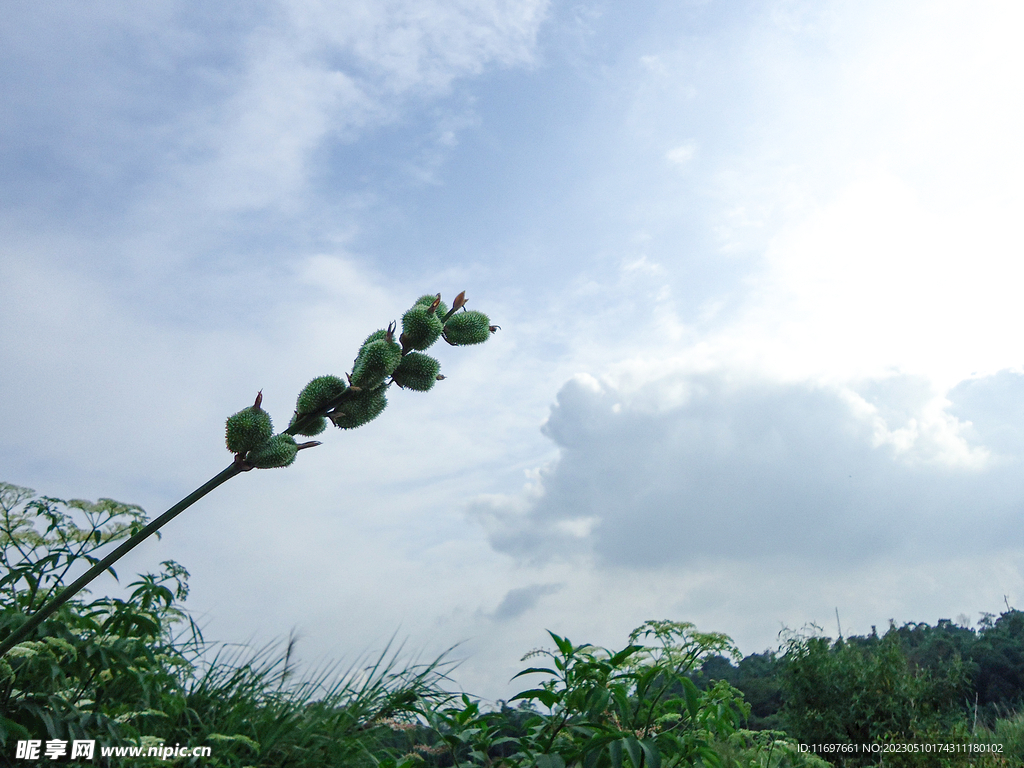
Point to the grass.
(253, 709)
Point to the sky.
(756, 266)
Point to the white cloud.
(317, 71)
(878, 279)
(775, 411)
(749, 468)
(838, 427)
(750, 505)
(867, 181)
(682, 154)
(180, 124)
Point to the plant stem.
(239, 465)
(20, 634)
(26, 629)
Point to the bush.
(867, 692)
(595, 707)
(137, 671)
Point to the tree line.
(136, 672)
(916, 682)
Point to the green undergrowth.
(136, 671)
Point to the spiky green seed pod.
(420, 327)
(312, 428)
(384, 334)
(467, 328)
(417, 371)
(426, 300)
(318, 393)
(376, 362)
(278, 451)
(375, 336)
(248, 429)
(364, 407)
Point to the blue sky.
(756, 267)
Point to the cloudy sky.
(756, 266)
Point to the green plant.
(1006, 737)
(765, 749)
(97, 667)
(603, 709)
(867, 692)
(258, 712)
(250, 436)
(136, 671)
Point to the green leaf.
(624, 654)
(692, 697)
(653, 753)
(550, 761)
(548, 698)
(532, 670)
(633, 749)
(597, 702)
(621, 698)
(564, 645)
(710, 757)
(615, 753)
(13, 729)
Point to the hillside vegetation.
(137, 672)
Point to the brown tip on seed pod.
(259, 401)
(310, 444)
(460, 301)
(493, 328)
(390, 335)
(434, 306)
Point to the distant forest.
(818, 689)
(131, 675)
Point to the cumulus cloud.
(992, 408)
(736, 221)
(757, 470)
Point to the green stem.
(307, 419)
(238, 466)
(47, 610)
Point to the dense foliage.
(137, 672)
(915, 684)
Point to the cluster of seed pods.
(362, 395)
